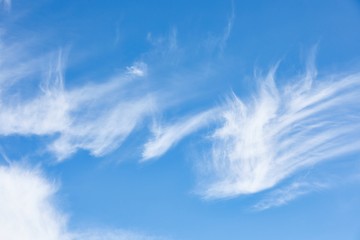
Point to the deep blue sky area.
(196, 55)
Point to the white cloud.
(28, 210)
(138, 69)
(284, 195)
(217, 43)
(228, 28)
(101, 130)
(166, 137)
(103, 115)
(281, 131)
(21, 110)
(95, 117)
(16, 63)
(114, 235)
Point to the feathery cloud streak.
(281, 131)
(102, 116)
(165, 137)
(95, 117)
(284, 195)
(114, 235)
(228, 28)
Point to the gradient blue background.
(158, 197)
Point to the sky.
(179, 120)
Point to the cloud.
(228, 28)
(28, 210)
(102, 116)
(217, 43)
(17, 62)
(96, 117)
(114, 235)
(165, 137)
(284, 195)
(44, 113)
(280, 131)
(138, 69)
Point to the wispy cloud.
(165, 137)
(216, 43)
(164, 44)
(228, 28)
(103, 115)
(96, 117)
(284, 195)
(28, 210)
(44, 113)
(17, 62)
(114, 235)
(282, 130)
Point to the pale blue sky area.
(182, 120)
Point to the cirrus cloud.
(282, 130)
(96, 117)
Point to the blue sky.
(184, 120)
